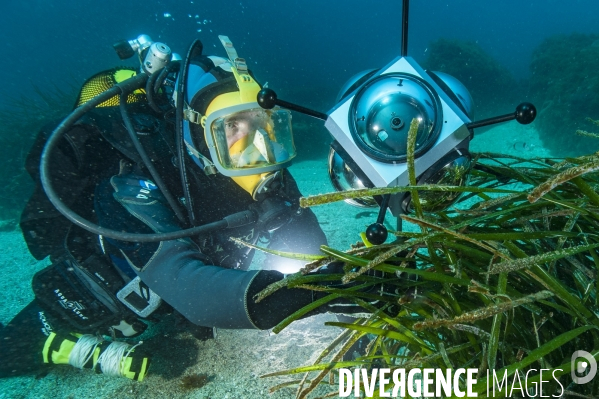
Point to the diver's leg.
(34, 341)
(22, 341)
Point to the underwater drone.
(370, 126)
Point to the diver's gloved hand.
(371, 289)
(283, 302)
(340, 268)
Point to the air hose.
(196, 48)
(155, 82)
(146, 159)
(150, 92)
(127, 86)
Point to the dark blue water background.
(304, 49)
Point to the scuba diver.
(136, 201)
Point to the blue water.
(298, 47)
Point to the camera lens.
(396, 123)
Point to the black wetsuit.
(203, 278)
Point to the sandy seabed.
(236, 358)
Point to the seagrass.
(504, 280)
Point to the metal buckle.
(208, 167)
(192, 115)
(241, 65)
(139, 298)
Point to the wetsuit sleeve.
(206, 295)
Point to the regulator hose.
(155, 82)
(150, 92)
(146, 159)
(127, 86)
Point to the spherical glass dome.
(382, 111)
(451, 170)
(343, 178)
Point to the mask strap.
(239, 63)
(204, 163)
(248, 88)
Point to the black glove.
(271, 310)
(370, 290)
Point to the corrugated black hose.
(196, 48)
(127, 86)
(147, 161)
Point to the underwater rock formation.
(492, 86)
(564, 85)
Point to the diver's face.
(241, 124)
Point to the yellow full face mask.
(246, 142)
